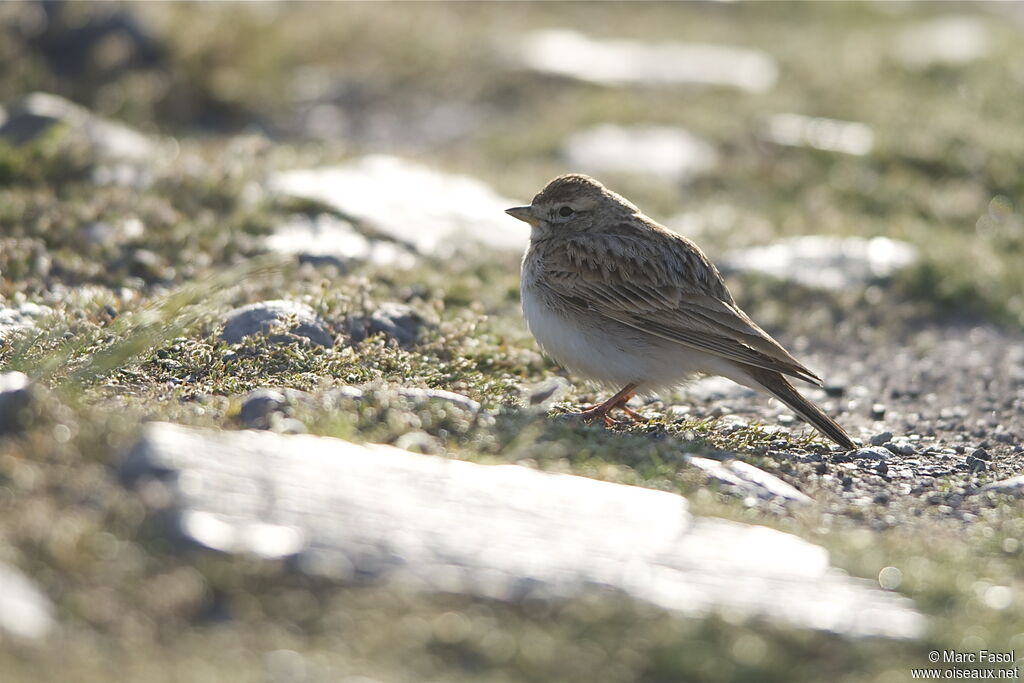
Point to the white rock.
(326, 237)
(745, 479)
(1013, 486)
(346, 510)
(24, 317)
(826, 262)
(661, 151)
(716, 389)
(35, 113)
(24, 610)
(831, 135)
(954, 39)
(267, 316)
(620, 62)
(418, 205)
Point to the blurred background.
(734, 122)
(854, 168)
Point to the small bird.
(615, 297)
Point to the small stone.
(877, 411)
(1013, 485)
(976, 464)
(345, 393)
(396, 321)
(34, 115)
(267, 315)
(149, 266)
(419, 442)
(660, 151)
(25, 611)
(15, 402)
(746, 480)
(24, 317)
(286, 425)
(882, 468)
(258, 406)
(981, 454)
(436, 213)
(326, 239)
(824, 261)
(834, 390)
(622, 62)
(1004, 437)
(872, 453)
(546, 393)
(881, 438)
(830, 135)
(907, 449)
(951, 40)
(421, 395)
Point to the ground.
(932, 355)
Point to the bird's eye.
(565, 212)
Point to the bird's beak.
(523, 213)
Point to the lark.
(624, 302)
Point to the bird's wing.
(665, 286)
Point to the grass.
(133, 336)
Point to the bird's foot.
(600, 412)
(633, 415)
(596, 413)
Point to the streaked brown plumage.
(619, 299)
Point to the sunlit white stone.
(620, 62)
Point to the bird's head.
(571, 203)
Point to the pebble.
(877, 411)
(835, 390)
(871, 453)
(258, 406)
(825, 261)
(394, 320)
(981, 454)
(434, 212)
(546, 393)
(35, 114)
(664, 152)
(266, 315)
(619, 62)
(25, 611)
(881, 438)
(15, 402)
(1013, 485)
(418, 395)
(24, 317)
(976, 464)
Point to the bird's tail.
(780, 387)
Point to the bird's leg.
(616, 401)
(632, 414)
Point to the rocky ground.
(257, 300)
